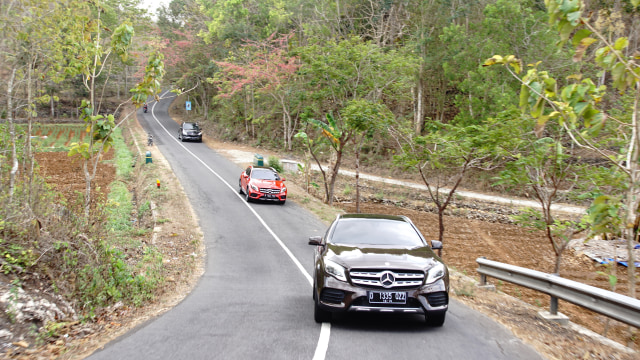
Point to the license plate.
(387, 297)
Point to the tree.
(482, 92)
(235, 20)
(541, 166)
(365, 119)
(444, 155)
(338, 135)
(576, 107)
(271, 71)
(31, 53)
(89, 56)
(337, 73)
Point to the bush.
(274, 162)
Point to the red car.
(262, 183)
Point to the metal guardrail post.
(483, 277)
(553, 302)
(553, 307)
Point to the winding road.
(254, 299)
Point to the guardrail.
(616, 306)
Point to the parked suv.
(190, 131)
(378, 263)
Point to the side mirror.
(315, 240)
(436, 245)
(282, 178)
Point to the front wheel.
(246, 191)
(435, 318)
(320, 315)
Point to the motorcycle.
(145, 107)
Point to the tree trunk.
(633, 201)
(418, 118)
(633, 195)
(28, 156)
(52, 105)
(87, 190)
(441, 224)
(358, 149)
(335, 171)
(12, 132)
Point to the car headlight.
(283, 190)
(335, 270)
(253, 187)
(436, 273)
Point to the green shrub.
(112, 279)
(274, 162)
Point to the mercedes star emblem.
(387, 279)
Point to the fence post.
(553, 303)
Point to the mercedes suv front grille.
(269, 191)
(387, 279)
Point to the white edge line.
(323, 342)
(325, 330)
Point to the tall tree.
(543, 167)
(482, 92)
(89, 55)
(365, 118)
(350, 70)
(444, 155)
(236, 20)
(272, 71)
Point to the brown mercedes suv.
(378, 263)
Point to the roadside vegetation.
(528, 97)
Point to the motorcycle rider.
(145, 107)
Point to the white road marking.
(325, 329)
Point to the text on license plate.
(387, 297)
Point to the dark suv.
(190, 131)
(378, 263)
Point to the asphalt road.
(254, 299)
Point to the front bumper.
(338, 296)
(267, 197)
(192, 137)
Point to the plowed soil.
(66, 175)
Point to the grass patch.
(123, 157)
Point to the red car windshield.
(264, 174)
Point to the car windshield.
(375, 232)
(264, 174)
(190, 126)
